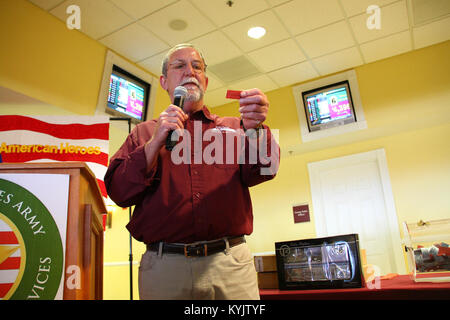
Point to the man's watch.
(256, 129)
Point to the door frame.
(379, 156)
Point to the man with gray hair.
(193, 214)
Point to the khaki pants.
(224, 275)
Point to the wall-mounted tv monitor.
(329, 106)
(127, 95)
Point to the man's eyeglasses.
(198, 67)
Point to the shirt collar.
(204, 113)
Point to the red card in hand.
(233, 94)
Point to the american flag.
(10, 258)
(57, 138)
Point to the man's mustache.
(190, 80)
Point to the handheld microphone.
(179, 94)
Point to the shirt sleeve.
(262, 156)
(127, 178)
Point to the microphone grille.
(180, 91)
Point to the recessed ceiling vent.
(234, 69)
(425, 11)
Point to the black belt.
(200, 249)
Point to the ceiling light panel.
(238, 31)
(256, 32)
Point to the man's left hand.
(253, 106)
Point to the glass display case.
(427, 249)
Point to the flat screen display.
(127, 94)
(329, 106)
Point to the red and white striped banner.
(10, 257)
(56, 138)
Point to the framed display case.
(320, 263)
(427, 249)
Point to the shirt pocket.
(224, 150)
(226, 166)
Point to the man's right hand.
(172, 118)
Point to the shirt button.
(197, 195)
(195, 172)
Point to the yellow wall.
(405, 100)
(420, 178)
(61, 70)
(46, 61)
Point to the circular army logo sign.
(31, 252)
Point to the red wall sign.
(301, 213)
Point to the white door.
(352, 194)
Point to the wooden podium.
(84, 239)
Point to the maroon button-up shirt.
(197, 192)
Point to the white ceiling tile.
(98, 18)
(278, 55)
(262, 82)
(275, 3)
(327, 39)
(432, 33)
(216, 47)
(338, 61)
(154, 64)
(134, 42)
(197, 24)
(140, 8)
(354, 7)
(304, 15)
(293, 74)
(394, 18)
(221, 14)
(274, 31)
(213, 82)
(386, 47)
(46, 4)
(296, 30)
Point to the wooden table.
(400, 287)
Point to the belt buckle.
(191, 250)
